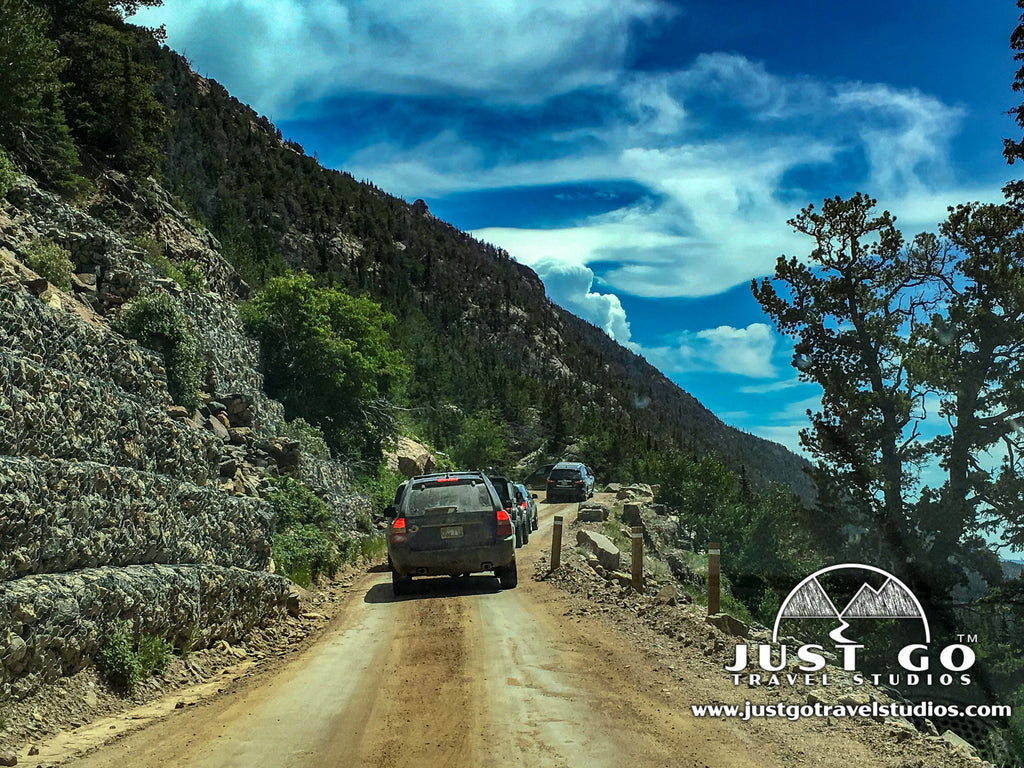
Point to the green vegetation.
(188, 274)
(766, 544)
(8, 174)
(109, 94)
(154, 654)
(124, 663)
(482, 442)
(50, 260)
(33, 127)
(380, 486)
(306, 542)
(311, 438)
(157, 322)
(117, 660)
(329, 358)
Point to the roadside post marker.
(556, 543)
(714, 569)
(637, 535)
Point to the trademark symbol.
(967, 638)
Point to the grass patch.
(154, 654)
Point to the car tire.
(400, 584)
(536, 523)
(526, 532)
(519, 535)
(508, 576)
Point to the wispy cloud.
(283, 53)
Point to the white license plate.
(451, 532)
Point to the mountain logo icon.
(892, 600)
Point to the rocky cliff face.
(116, 504)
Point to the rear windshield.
(501, 486)
(564, 474)
(447, 497)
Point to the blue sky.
(642, 156)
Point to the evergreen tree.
(33, 128)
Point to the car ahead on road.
(529, 503)
(506, 489)
(452, 524)
(570, 481)
(538, 479)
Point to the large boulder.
(728, 624)
(631, 514)
(607, 553)
(410, 458)
(636, 492)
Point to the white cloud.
(741, 351)
(570, 285)
(278, 53)
(722, 187)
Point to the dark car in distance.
(450, 524)
(570, 481)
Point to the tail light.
(398, 535)
(504, 524)
(579, 482)
(522, 505)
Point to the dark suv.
(570, 481)
(450, 524)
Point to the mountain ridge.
(272, 206)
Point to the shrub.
(51, 261)
(304, 553)
(329, 358)
(8, 174)
(310, 437)
(157, 322)
(188, 274)
(154, 654)
(306, 544)
(294, 504)
(117, 660)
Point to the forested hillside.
(477, 328)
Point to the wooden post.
(638, 558)
(556, 543)
(714, 586)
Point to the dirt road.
(456, 674)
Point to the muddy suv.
(450, 524)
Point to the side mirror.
(390, 512)
(534, 496)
